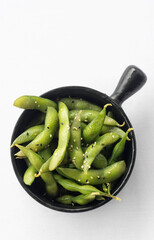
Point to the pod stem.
(121, 125)
(108, 104)
(37, 174)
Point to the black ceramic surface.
(131, 81)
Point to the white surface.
(48, 44)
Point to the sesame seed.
(35, 101)
(50, 135)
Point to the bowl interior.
(36, 190)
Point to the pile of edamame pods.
(74, 146)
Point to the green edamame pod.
(94, 149)
(36, 161)
(73, 186)
(118, 130)
(29, 175)
(75, 150)
(80, 199)
(64, 136)
(119, 148)
(93, 129)
(73, 103)
(84, 199)
(34, 102)
(93, 176)
(28, 135)
(88, 116)
(46, 153)
(65, 199)
(100, 161)
(45, 137)
(83, 189)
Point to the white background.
(48, 44)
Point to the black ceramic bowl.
(131, 81)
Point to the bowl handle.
(130, 82)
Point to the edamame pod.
(75, 150)
(83, 189)
(99, 162)
(37, 162)
(29, 175)
(80, 199)
(94, 149)
(64, 136)
(28, 135)
(34, 102)
(118, 130)
(45, 137)
(93, 129)
(73, 103)
(93, 176)
(88, 116)
(119, 148)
